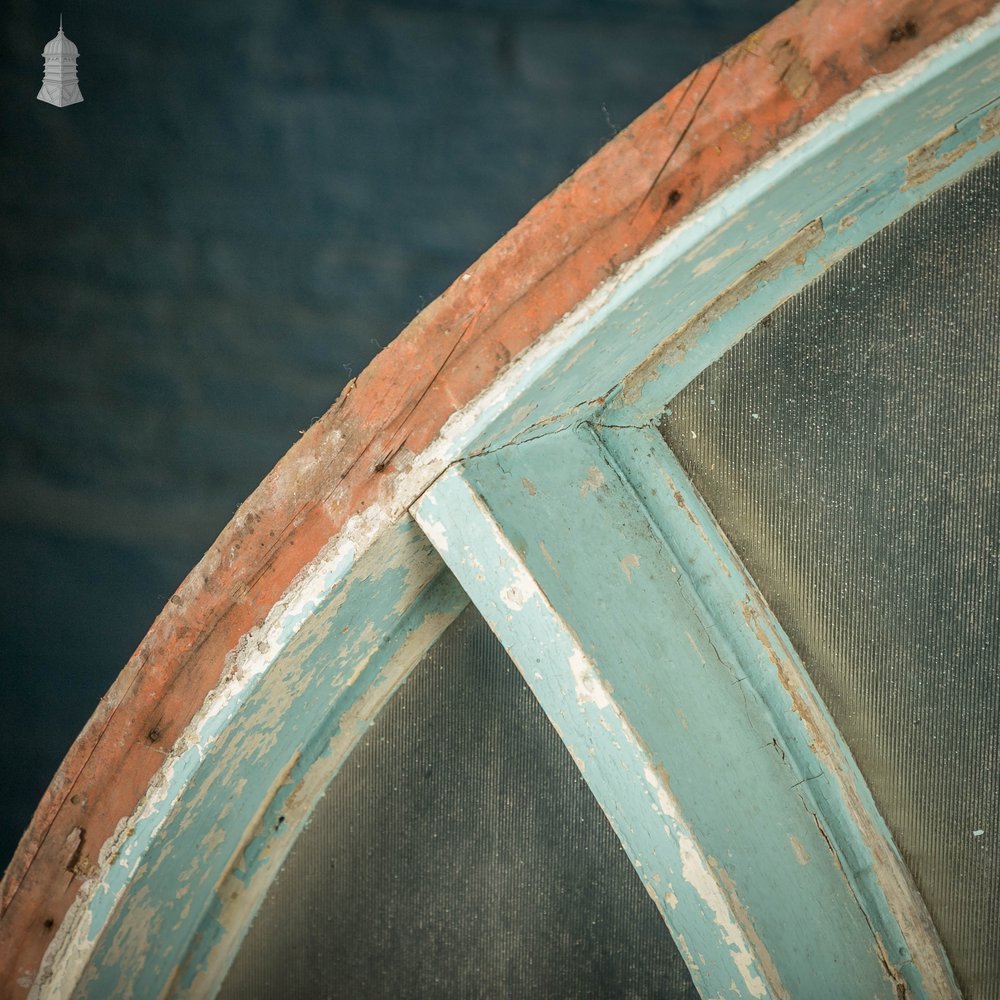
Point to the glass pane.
(849, 448)
(459, 854)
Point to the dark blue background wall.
(251, 200)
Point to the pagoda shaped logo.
(59, 86)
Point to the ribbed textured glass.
(459, 854)
(849, 447)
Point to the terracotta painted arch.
(357, 470)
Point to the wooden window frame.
(549, 376)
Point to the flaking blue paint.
(659, 688)
(185, 764)
(849, 169)
(556, 667)
(165, 926)
(840, 800)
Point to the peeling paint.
(628, 564)
(589, 686)
(593, 482)
(793, 69)
(938, 154)
(678, 496)
(708, 264)
(593, 696)
(520, 590)
(505, 399)
(746, 925)
(931, 158)
(698, 874)
(548, 557)
(658, 781)
(121, 857)
(791, 253)
(435, 531)
(801, 854)
(759, 662)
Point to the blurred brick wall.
(251, 200)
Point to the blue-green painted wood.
(835, 792)
(694, 293)
(686, 715)
(204, 867)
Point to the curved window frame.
(520, 467)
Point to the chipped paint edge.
(462, 433)
(98, 898)
(472, 428)
(453, 491)
(119, 857)
(849, 820)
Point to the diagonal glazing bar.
(689, 716)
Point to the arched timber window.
(709, 440)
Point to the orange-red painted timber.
(640, 185)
